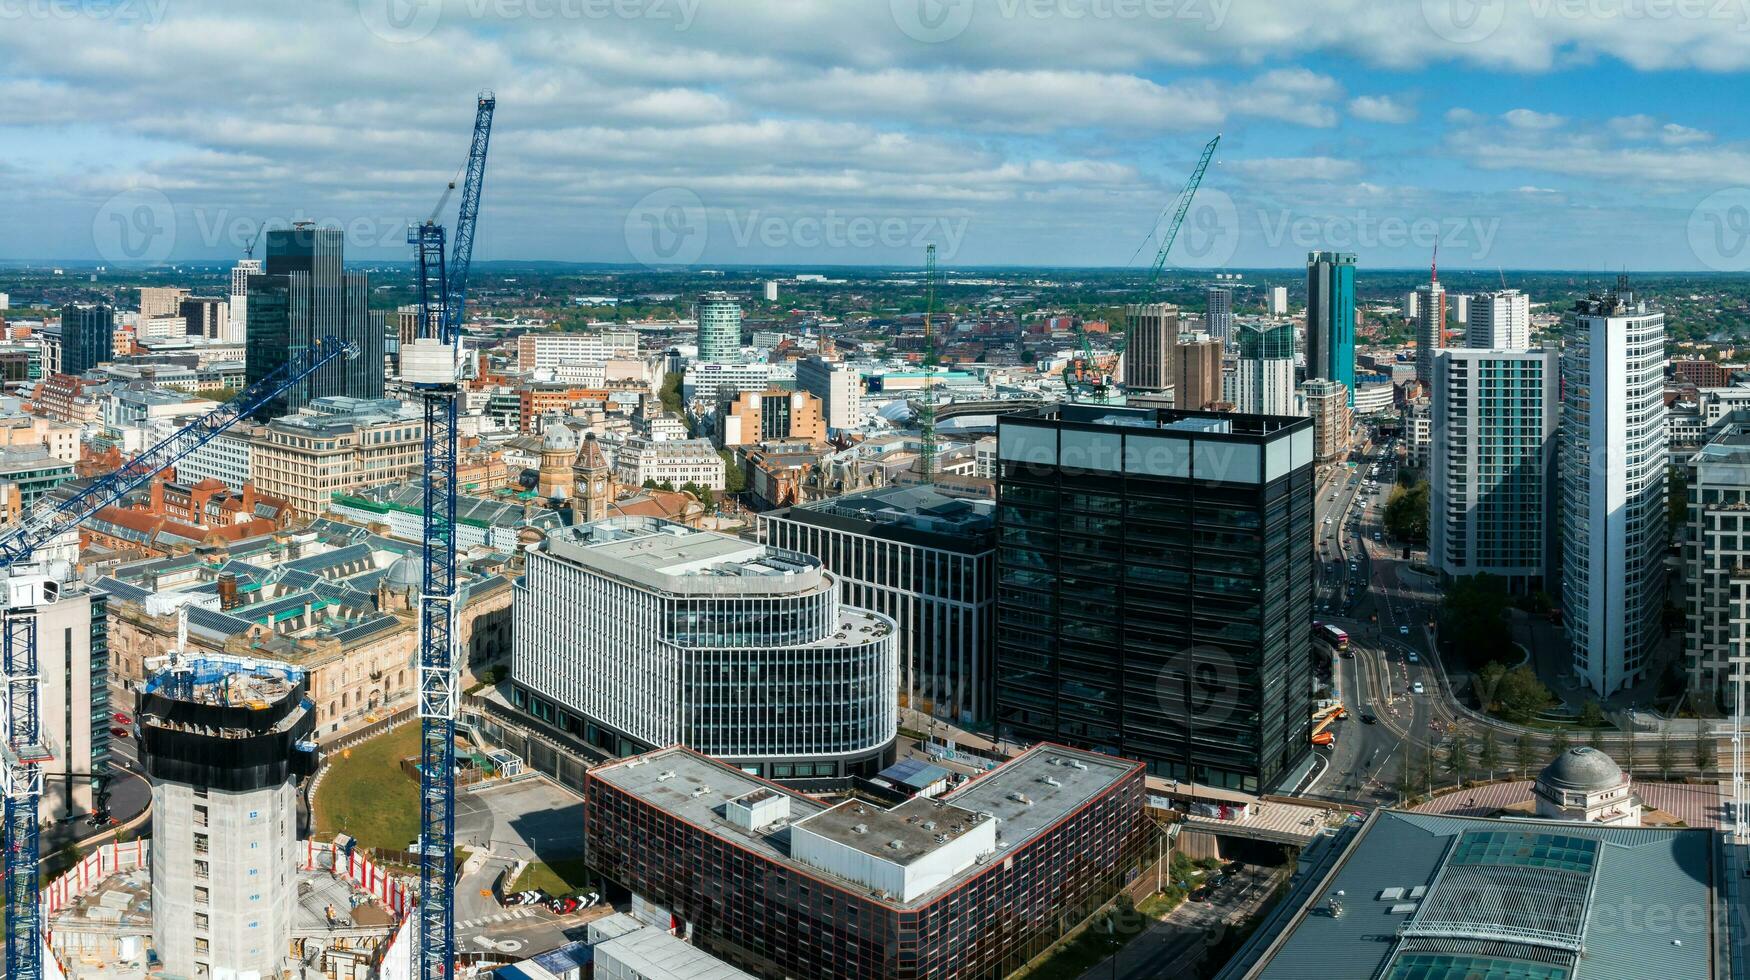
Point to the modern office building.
(1218, 316)
(838, 385)
(719, 328)
(161, 301)
(1716, 555)
(1330, 318)
(225, 741)
(764, 416)
(634, 632)
(206, 317)
(1420, 896)
(1198, 382)
(1613, 460)
(1492, 465)
(73, 662)
(237, 327)
(1499, 320)
(1154, 586)
(535, 351)
(1327, 404)
(87, 337)
(971, 884)
(1150, 356)
(1263, 380)
(923, 559)
(1430, 327)
(304, 295)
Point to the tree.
(1595, 738)
(734, 480)
(1516, 695)
(1458, 756)
(1491, 755)
(671, 392)
(1666, 756)
(1592, 714)
(1524, 754)
(1406, 513)
(1704, 752)
(1558, 743)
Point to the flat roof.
(1026, 796)
(915, 825)
(675, 558)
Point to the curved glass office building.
(634, 633)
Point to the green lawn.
(366, 794)
(1088, 949)
(562, 877)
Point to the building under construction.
(225, 741)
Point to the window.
(200, 842)
(200, 920)
(201, 896)
(201, 870)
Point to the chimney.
(227, 592)
(158, 494)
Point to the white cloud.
(1296, 169)
(1382, 109)
(1531, 119)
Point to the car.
(1403, 631)
(119, 732)
(1200, 894)
(121, 718)
(1368, 718)
(1417, 688)
(1414, 657)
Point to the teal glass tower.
(1330, 318)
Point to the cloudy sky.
(1572, 134)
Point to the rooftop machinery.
(27, 584)
(436, 367)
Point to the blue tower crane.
(27, 584)
(434, 364)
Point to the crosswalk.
(506, 916)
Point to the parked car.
(119, 732)
(121, 718)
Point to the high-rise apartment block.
(1330, 318)
(1613, 458)
(926, 561)
(719, 328)
(1154, 586)
(1263, 380)
(1218, 316)
(1430, 327)
(161, 301)
(1716, 561)
(1278, 300)
(239, 309)
(838, 385)
(304, 295)
(1327, 404)
(87, 337)
(1492, 465)
(1499, 320)
(1151, 353)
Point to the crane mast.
(28, 585)
(434, 365)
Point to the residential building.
(675, 462)
(535, 351)
(973, 884)
(1330, 318)
(161, 301)
(303, 296)
(72, 650)
(1263, 381)
(1460, 308)
(1492, 465)
(1154, 582)
(87, 338)
(838, 385)
(1278, 300)
(225, 808)
(1327, 403)
(66, 398)
(1149, 358)
(1218, 316)
(1407, 895)
(632, 633)
(1412, 305)
(1197, 385)
(1703, 373)
(923, 559)
(1430, 327)
(1498, 320)
(719, 328)
(311, 456)
(238, 323)
(771, 291)
(1716, 552)
(1418, 433)
(762, 416)
(1613, 460)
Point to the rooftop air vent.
(896, 844)
(665, 776)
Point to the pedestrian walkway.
(507, 915)
(1693, 804)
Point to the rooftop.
(1231, 423)
(919, 508)
(674, 558)
(1024, 798)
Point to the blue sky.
(1578, 134)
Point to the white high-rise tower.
(1499, 320)
(239, 320)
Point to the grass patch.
(366, 794)
(562, 877)
(1088, 949)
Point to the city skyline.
(683, 132)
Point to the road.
(1174, 946)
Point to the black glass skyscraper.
(303, 295)
(1155, 586)
(87, 337)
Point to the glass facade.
(1159, 612)
(87, 337)
(1330, 318)
(303, 296)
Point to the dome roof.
(559, 438)
(404, 573)
(1582, 769)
